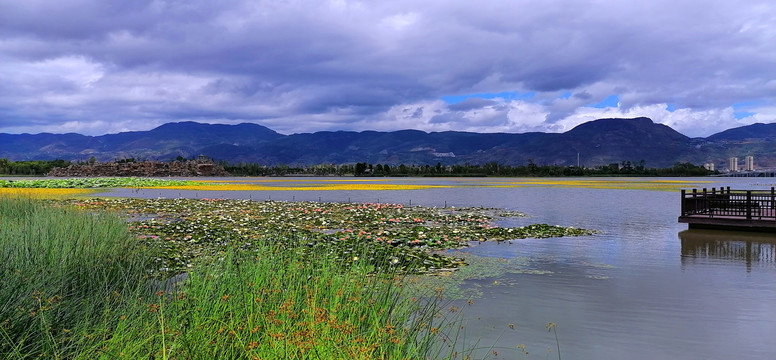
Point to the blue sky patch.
(746, 104)
(741, 109)
(742, 114)
(610, 101)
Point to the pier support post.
(749, 204)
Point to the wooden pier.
(748, 210)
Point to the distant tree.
(641, 165)
(360, 169)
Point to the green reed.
(60, 270)
(279, 304)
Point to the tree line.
(31, 168)
(625, 168)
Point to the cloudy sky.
(105, 66)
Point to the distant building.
(749, 163)
(733, 164)
(709, 166)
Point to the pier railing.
(732, 204)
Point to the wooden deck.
(749, 210)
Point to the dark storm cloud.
(583, 96)
(304, 66)
(472, 103)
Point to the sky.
(106, 66)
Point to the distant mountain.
(598, 142)
(167, 141)
(749, 132)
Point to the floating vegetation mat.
(594, 183)
(97, 182)
(421, 184)
(186, 231)
(41, 193)
(354, 184)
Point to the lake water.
(644, 288)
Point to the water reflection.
(704, 246)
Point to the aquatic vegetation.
(311, 187)
(262, 184)
(188, 231)
(205, 185)
(42, 193)
(257, 279)
(90, 183)
(273, 184)
(594, 183)
(74, 286)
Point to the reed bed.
(76, 285)
(280, 305)
(62, 271)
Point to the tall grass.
(73, 285)
(60, 271)
(279, 305)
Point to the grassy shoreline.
(265, 280)
(77, 286)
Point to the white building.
(709, 166)
(733, 164)
(749, 163)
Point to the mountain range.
(598, 142)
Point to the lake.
(644, 288)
